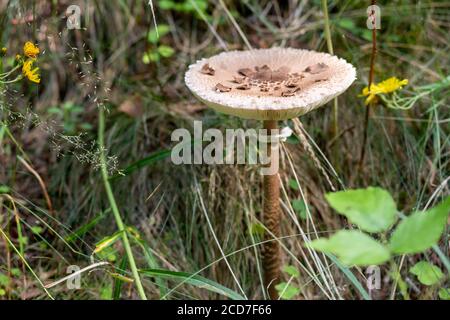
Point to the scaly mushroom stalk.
(271, 255)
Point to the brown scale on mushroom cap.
(206, 69)
(316, 68)
(263, 80)
(221, 88)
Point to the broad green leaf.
(427, 273)
(16, 272)
(353, 248)
(421, 230)
(371, 209)
(287, 291)
(166, 51)
(37, 229)
(146, 58)
(292, 271)
(166, 4)
(257, 229)
(4, 280)
(299, 207)
(152, 35)
(108, 253)
(194, 280)
(444, 294)
(347, 23)
(106, 293)
(4, 189)
(293, 184)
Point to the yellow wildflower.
(18, 57)
(3, 52)
(392, 84)
(371, 95)
(29, 72)
(30, 50)
(387, 86)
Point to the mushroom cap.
(269, 84)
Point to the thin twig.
(331, 51)
(368, 108)
(41, 183)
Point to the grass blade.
(194, 280)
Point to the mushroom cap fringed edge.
(314, 88)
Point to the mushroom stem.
(271, 256)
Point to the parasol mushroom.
(270, 85)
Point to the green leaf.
(4, 280)
(37, 229)
(55, 110)
(353, 248)
(150, 57)
(257, 229)
(292, 271)
(287, 291)
(106, 293)
(444, 294)
(4, 189)
(146, 58)
(16, 272)
(108, 253)
(166, 51)
(194, 280)
(166, 4)
(367, 34)
(347, 23)
(152, 35)
(421, 230)
(299, 207)
(427, 273)
(371, 209)
(23, 240)
(293, 184)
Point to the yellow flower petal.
(30, 50)
(387, 86)
(392, 84)
(29, 72)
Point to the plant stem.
(113, 204)
(271, 256)
(331, 51)
(368, 108)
